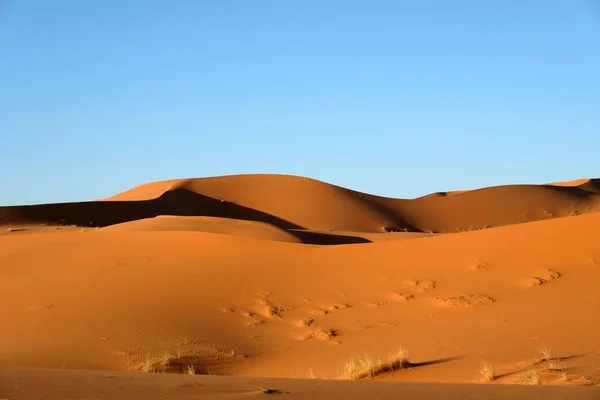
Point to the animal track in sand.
(328, 309)
(479, 266)
(544, 277)
(465, 300)
(271, 309)
(420, 286)
(400, 297)
(305, 322)
(41, 307)
(321, 334)
(251, 319)
(376, 304)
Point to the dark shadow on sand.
(178, 202)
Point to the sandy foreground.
(70, 384)
(451, 295)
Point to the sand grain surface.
(286, 277)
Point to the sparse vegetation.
(366, 367)
(398, 359)
(545, 353)
(168, 363)
(156, 364)
(190, 369)
(531, 378)
(487, 372)
(552, 363)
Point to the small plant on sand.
(531, 378)
(359, 367)
(365, 367)
(552, 362)
(190, 369)
(156, 364)
(545, 353)
(398, 359)
(487, 372)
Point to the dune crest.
(290, 202)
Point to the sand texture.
(274, 276)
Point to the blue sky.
(397, 98)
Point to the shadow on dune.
(533, 366)
(178, 202)
(310, 237)
(433, 362)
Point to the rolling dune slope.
(134, 300)
(252, 229)
(289, 202)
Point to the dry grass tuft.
(545, 353)
(366, 367)
(156, 364)
(487, 372)
(190, 369)
(531, 378)
(398, 359)
(168, 363)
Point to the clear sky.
(397, 98)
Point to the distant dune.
(289, 202)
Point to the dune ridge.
(290, 202)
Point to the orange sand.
(287, 277)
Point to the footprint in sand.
(41, 307)
(376, 304)
(251, 319)
(479, 266)
(329, 309)
(319, 313)
(464, 300)
(305, 322)
(420, 286)
(271, 309)
(322, 334)
(542, 278)
(400, 297)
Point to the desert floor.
(253, 280)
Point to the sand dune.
(229, 276)
(584, 183)
(289, 202)
(233, 305)
(225, 226)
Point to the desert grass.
(156, 364)
(531, 377)
(487, 372)
(167, 363)
(365, 367)
(190, 369)
(545, 353)
(552, 363)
